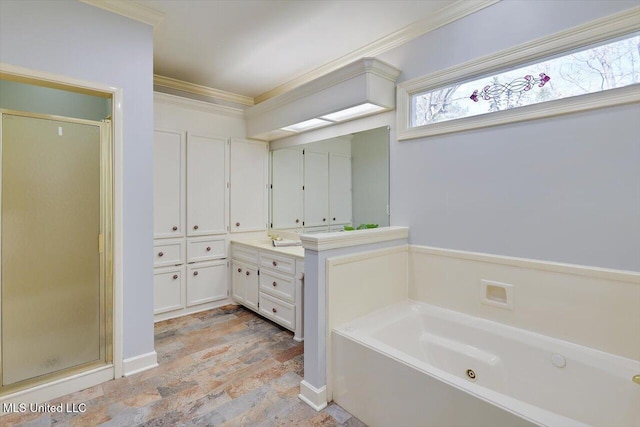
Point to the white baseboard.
(45, 392)
(140, 363)
(314, 397)
(191, 310)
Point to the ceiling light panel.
(350, 113)
(306, 125)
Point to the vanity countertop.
(265, 244)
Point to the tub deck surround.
(563, 352)
(514, 369)
(319, 248)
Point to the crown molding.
(354, 69)
(206, 107)
(442, 17)
(201, 90)
(130, 9)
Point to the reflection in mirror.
(326, 185)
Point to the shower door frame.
(114, 368)
(105, 246)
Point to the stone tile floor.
(223, 367)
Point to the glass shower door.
(52, 289)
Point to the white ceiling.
(250, 47)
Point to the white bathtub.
(406, 365)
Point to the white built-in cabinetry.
(286, 188)
(200, 179)
(269, 282)
(310, 189)
(249, 185)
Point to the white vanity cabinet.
(269, 282)
(248, 182)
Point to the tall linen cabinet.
(197, 166)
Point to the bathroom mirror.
(326, 185)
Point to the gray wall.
(370, 177)
(564, 189)
(80, 41)
(44, 100)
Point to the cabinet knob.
(324, 219)
(275, 264)
(195, 273)
(175, 276)
(334, 218)
(274, 284)
(208, 248)
(274, 310)
(237, 224)
(297, 221)
(239, 270)
(195, 227)
(248, 273)
(160, 253)
(175, 228)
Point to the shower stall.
(55, 248)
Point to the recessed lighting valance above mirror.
(360, 89)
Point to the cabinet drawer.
(278, 263)
(279, 311)
(244, 254)
(204, 249)
(168, 253)
(168, 286)
(206, 282)
(278, 285)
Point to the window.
(605, 72)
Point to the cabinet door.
(168, 183)
(206, 185)
(168, 289)
(237, 281)
(248, 172)
(251, 288)
(316, 189)
(206, 282)
(339, 189)
(286, 188)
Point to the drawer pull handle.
(275, 264)
(275, 284)
(274, 310)
(160, 253)
(175, 228)
(195, 273)
(195, 227)
(237, 224)
(248, 273)
(175, 276)
(334, 218)
(239, 270)
(208, 248)
(324, 219)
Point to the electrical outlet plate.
(496, 294)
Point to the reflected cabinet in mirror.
(328, 185)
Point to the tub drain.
(471, 375)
